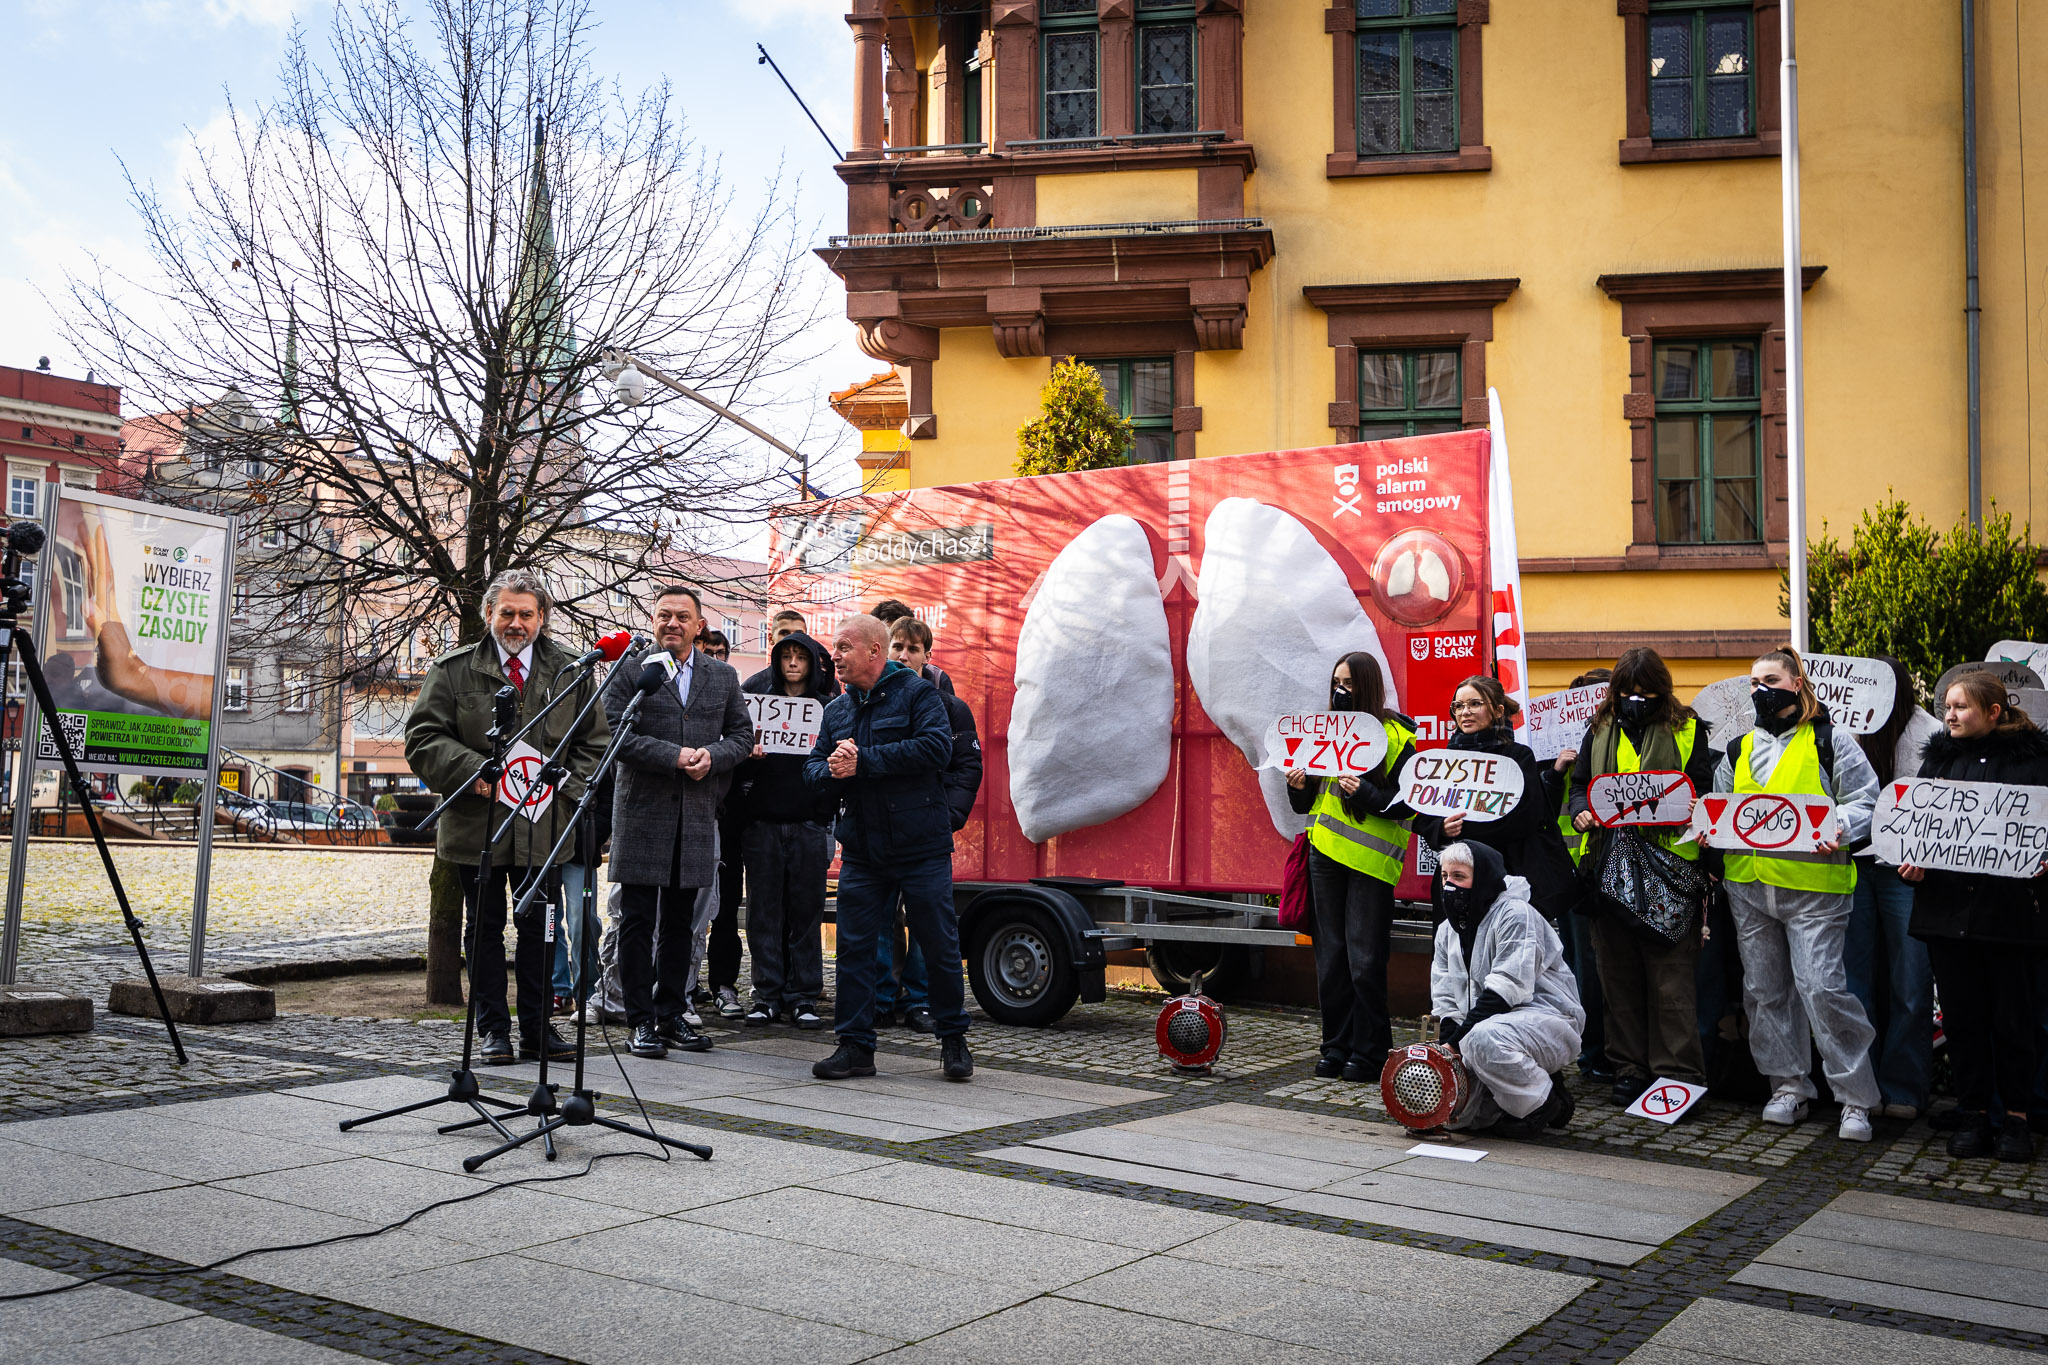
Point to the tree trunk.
(444, 934)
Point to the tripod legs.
(580, 1112)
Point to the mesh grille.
(1188, 1031)
(1418, 1087)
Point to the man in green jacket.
(445, 741)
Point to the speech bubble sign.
(1326, 743)
(1478, 786)
(1557, 721)
(2016, 677)
(1858, 692)
(1988, 828)
(785, 725)
(1655, 797)
(2034, 656)
(1726, 709)
(1764, 822)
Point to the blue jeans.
(914, 988)
(868, 894)
(1880, 953)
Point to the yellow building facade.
(1280, 223)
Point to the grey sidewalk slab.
(1581, 1211)
(78, 1315)
(1165, 1178)
(1074, 1333)
(1719, 1330)
(1610, 1250)
(1387, 1269)
(195, 1223)
(797, 1116)
(948, 1107)
(1180, 1155)
(36, 1177)
(204, 1341)
(1911, 1298)
(151, 1141)
(291, 1118)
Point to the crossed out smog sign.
(1666, 1100)
(1764, 822)
(520, 787)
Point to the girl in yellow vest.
(1792, 909)
(1358, 844)
(1577, 930)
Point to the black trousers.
(655, 941)
(786, 866)
(722, 953)
(1987, 1015)
(532, 961)
(1354, 918)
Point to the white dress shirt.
(525, 657)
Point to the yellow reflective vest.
(1574, 837)
(1376, 846)
(1677, 841)
(1797, 774)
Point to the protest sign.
(1666, 1100)
(785, 725)
(2016, 677)
(1326, 743)
(2026, 652)
(1648, 798)
(1764, 822)
(1986, 827)
(2032, 700)
(1557, 721)
(1726, 708)
(1857, 692)
(1461, 782)
(521, 787)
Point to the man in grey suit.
(692, 731)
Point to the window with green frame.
(1408, 393)
(1709, 434)
(1166, 66)
(1142, 390)
(1071, 69)
(1407, 76)
(1702, 70)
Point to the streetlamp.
(628, 377)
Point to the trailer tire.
(1173, 963)
(1021, 967)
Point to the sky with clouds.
(94, 85)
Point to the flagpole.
(1795, 370)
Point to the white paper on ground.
(1275, 616)
(1666, 1100)
(1447, 1153)
(1091, 731)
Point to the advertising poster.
(1128, 637)
(137, 596)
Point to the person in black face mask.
(1648, 991)
(1510, 1004)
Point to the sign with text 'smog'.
(1985, 827)
(1764, 822)
(1326, 743)
(1647, 798)
(1477, 786)
(785, 725)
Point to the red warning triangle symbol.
(1715, 805)
(1817, 814)
(1898, 791)
(1292, 745)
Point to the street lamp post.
(1795, 369)
(629, 379)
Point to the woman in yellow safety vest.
(1358, 846)
(1646, 988)
(1792, 909)
(1577, 930)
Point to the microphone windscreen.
(656, 671)
(615, 645)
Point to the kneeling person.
(1510, 1005)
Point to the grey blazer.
(656, 805)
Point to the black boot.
(675, 1031)
(850, 1060)
(647, 1042)
(1974, 1140)
(2015, 1143)
(1627, 1090)
(1330, 1065)
(959, 1062)
(1558, 1111)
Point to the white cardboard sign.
(785, 725)
(1655, 797)
(1558, 720)
(518, 788)
(1666, 1100)
(1857, 692)
(1463, 782)
(2026, 652)
(1984, 827)
(1326, 743)
(1763, 822)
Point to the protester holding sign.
(1791, 910)
(786, 847)
(1577, 930)
(1526, 837)
(1647, 987)
(1985, 934)
(1358, 846)
(1887, 966)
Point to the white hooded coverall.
(1518, 957)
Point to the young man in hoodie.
(1509, 1004)
(786, 847)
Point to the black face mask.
(1637, 711)
(1769, 701)
(1457, 900)
(1341, 698)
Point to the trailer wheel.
(1021, 967)
(1174, 962)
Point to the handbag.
(1649, 888)
(1296, 913)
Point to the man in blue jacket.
(885, 743)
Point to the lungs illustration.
(1276, 613)
(1094, 638)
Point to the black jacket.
(1981, 908)
(962, 777)
(1526, 837)
(894, 806)
(771, 788)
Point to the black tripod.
(580, 1109)
(26, 538)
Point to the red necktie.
(516, 672)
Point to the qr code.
(73, 725)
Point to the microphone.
(611, 648)
(658, 669)
(505, 707)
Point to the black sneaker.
(1627, 1090)
(1973, 1141)
(1329, 1066)
(920, 1020)
(494, 1049)
(885, 1018)
(2015, 1143)
(675, 1031)
(959, 1062)
(806, 1016)
(850, 1060)
(759, 1016)
(647, 1042)
(1954, 1120)
(560, 1049)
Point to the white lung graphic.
(1275, 615)
(1091, 731)
(1429, 566)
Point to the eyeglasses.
(1459, 708)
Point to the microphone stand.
(580, 1109)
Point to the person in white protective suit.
(1508, 1003)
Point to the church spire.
(539, 317)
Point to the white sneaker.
(1786, 1107)
(1901, 1111)
(691, 1017)
(729, 1003)
(1855, 1124)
